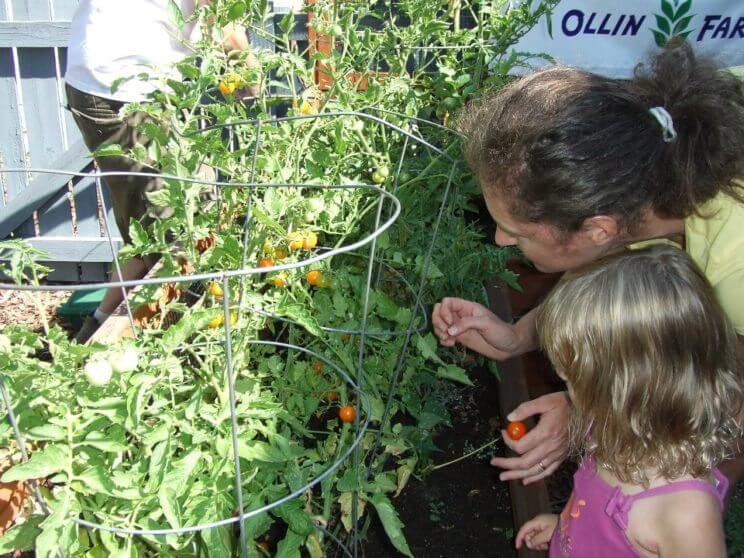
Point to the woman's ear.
(601, 230)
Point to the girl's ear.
(601, 230)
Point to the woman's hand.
(473, 325)
(543, 448)
(538, 531)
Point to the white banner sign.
(612, 36)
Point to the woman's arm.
(456, 320)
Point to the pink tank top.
(595, 519)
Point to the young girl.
(650, 364)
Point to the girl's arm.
(690, 526)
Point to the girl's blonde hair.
(651, 362)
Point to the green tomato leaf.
(454, 373)
(52, 459)
(296, 517)
(23, 536)
(427, 346)
(289, 546)
(236, 11)
(108, 150)
(93, 480)
(48, 432)
(391, 523)
(176, 14)
(300, 314)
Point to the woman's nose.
(504, 239)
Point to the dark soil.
(462, 509)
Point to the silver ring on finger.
(543, 468)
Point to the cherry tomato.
(280, 253)
(516, 430)
(314, 276)
(279, 281)
(377, 177)
(309, 240)
(295, 241)
(265, 262)
(215, 290)
(229, 83)
(217, 321)
(318, 367)
(333, 396)
(345, 337)
(347, 413)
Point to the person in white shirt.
(114, 41)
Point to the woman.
(575, 166)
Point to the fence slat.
(26, 34)
(42, 188)
(75, 249)
(11, 144)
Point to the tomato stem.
(478, 450)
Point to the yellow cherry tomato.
(215, 290)
(309, 240)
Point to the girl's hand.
(473, 325)
(537, 532)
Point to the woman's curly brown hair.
(565, 144)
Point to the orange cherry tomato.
(279, 281)
(333, 396)
(347, 413)
(516, 430)
(318, 367)
(314, 277)
(265, 262)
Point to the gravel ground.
(18, 307)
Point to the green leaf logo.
(673, 21)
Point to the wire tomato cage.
(254, 207)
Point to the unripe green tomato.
(124, 361)
(98, 372)
(377, 177)
(384, 171)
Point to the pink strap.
(619, 505)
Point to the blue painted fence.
(59, 216)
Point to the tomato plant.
(147, 443)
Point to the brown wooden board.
(531, 500)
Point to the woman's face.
(543, 244)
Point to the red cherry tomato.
(516, 430)
(347, 413)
